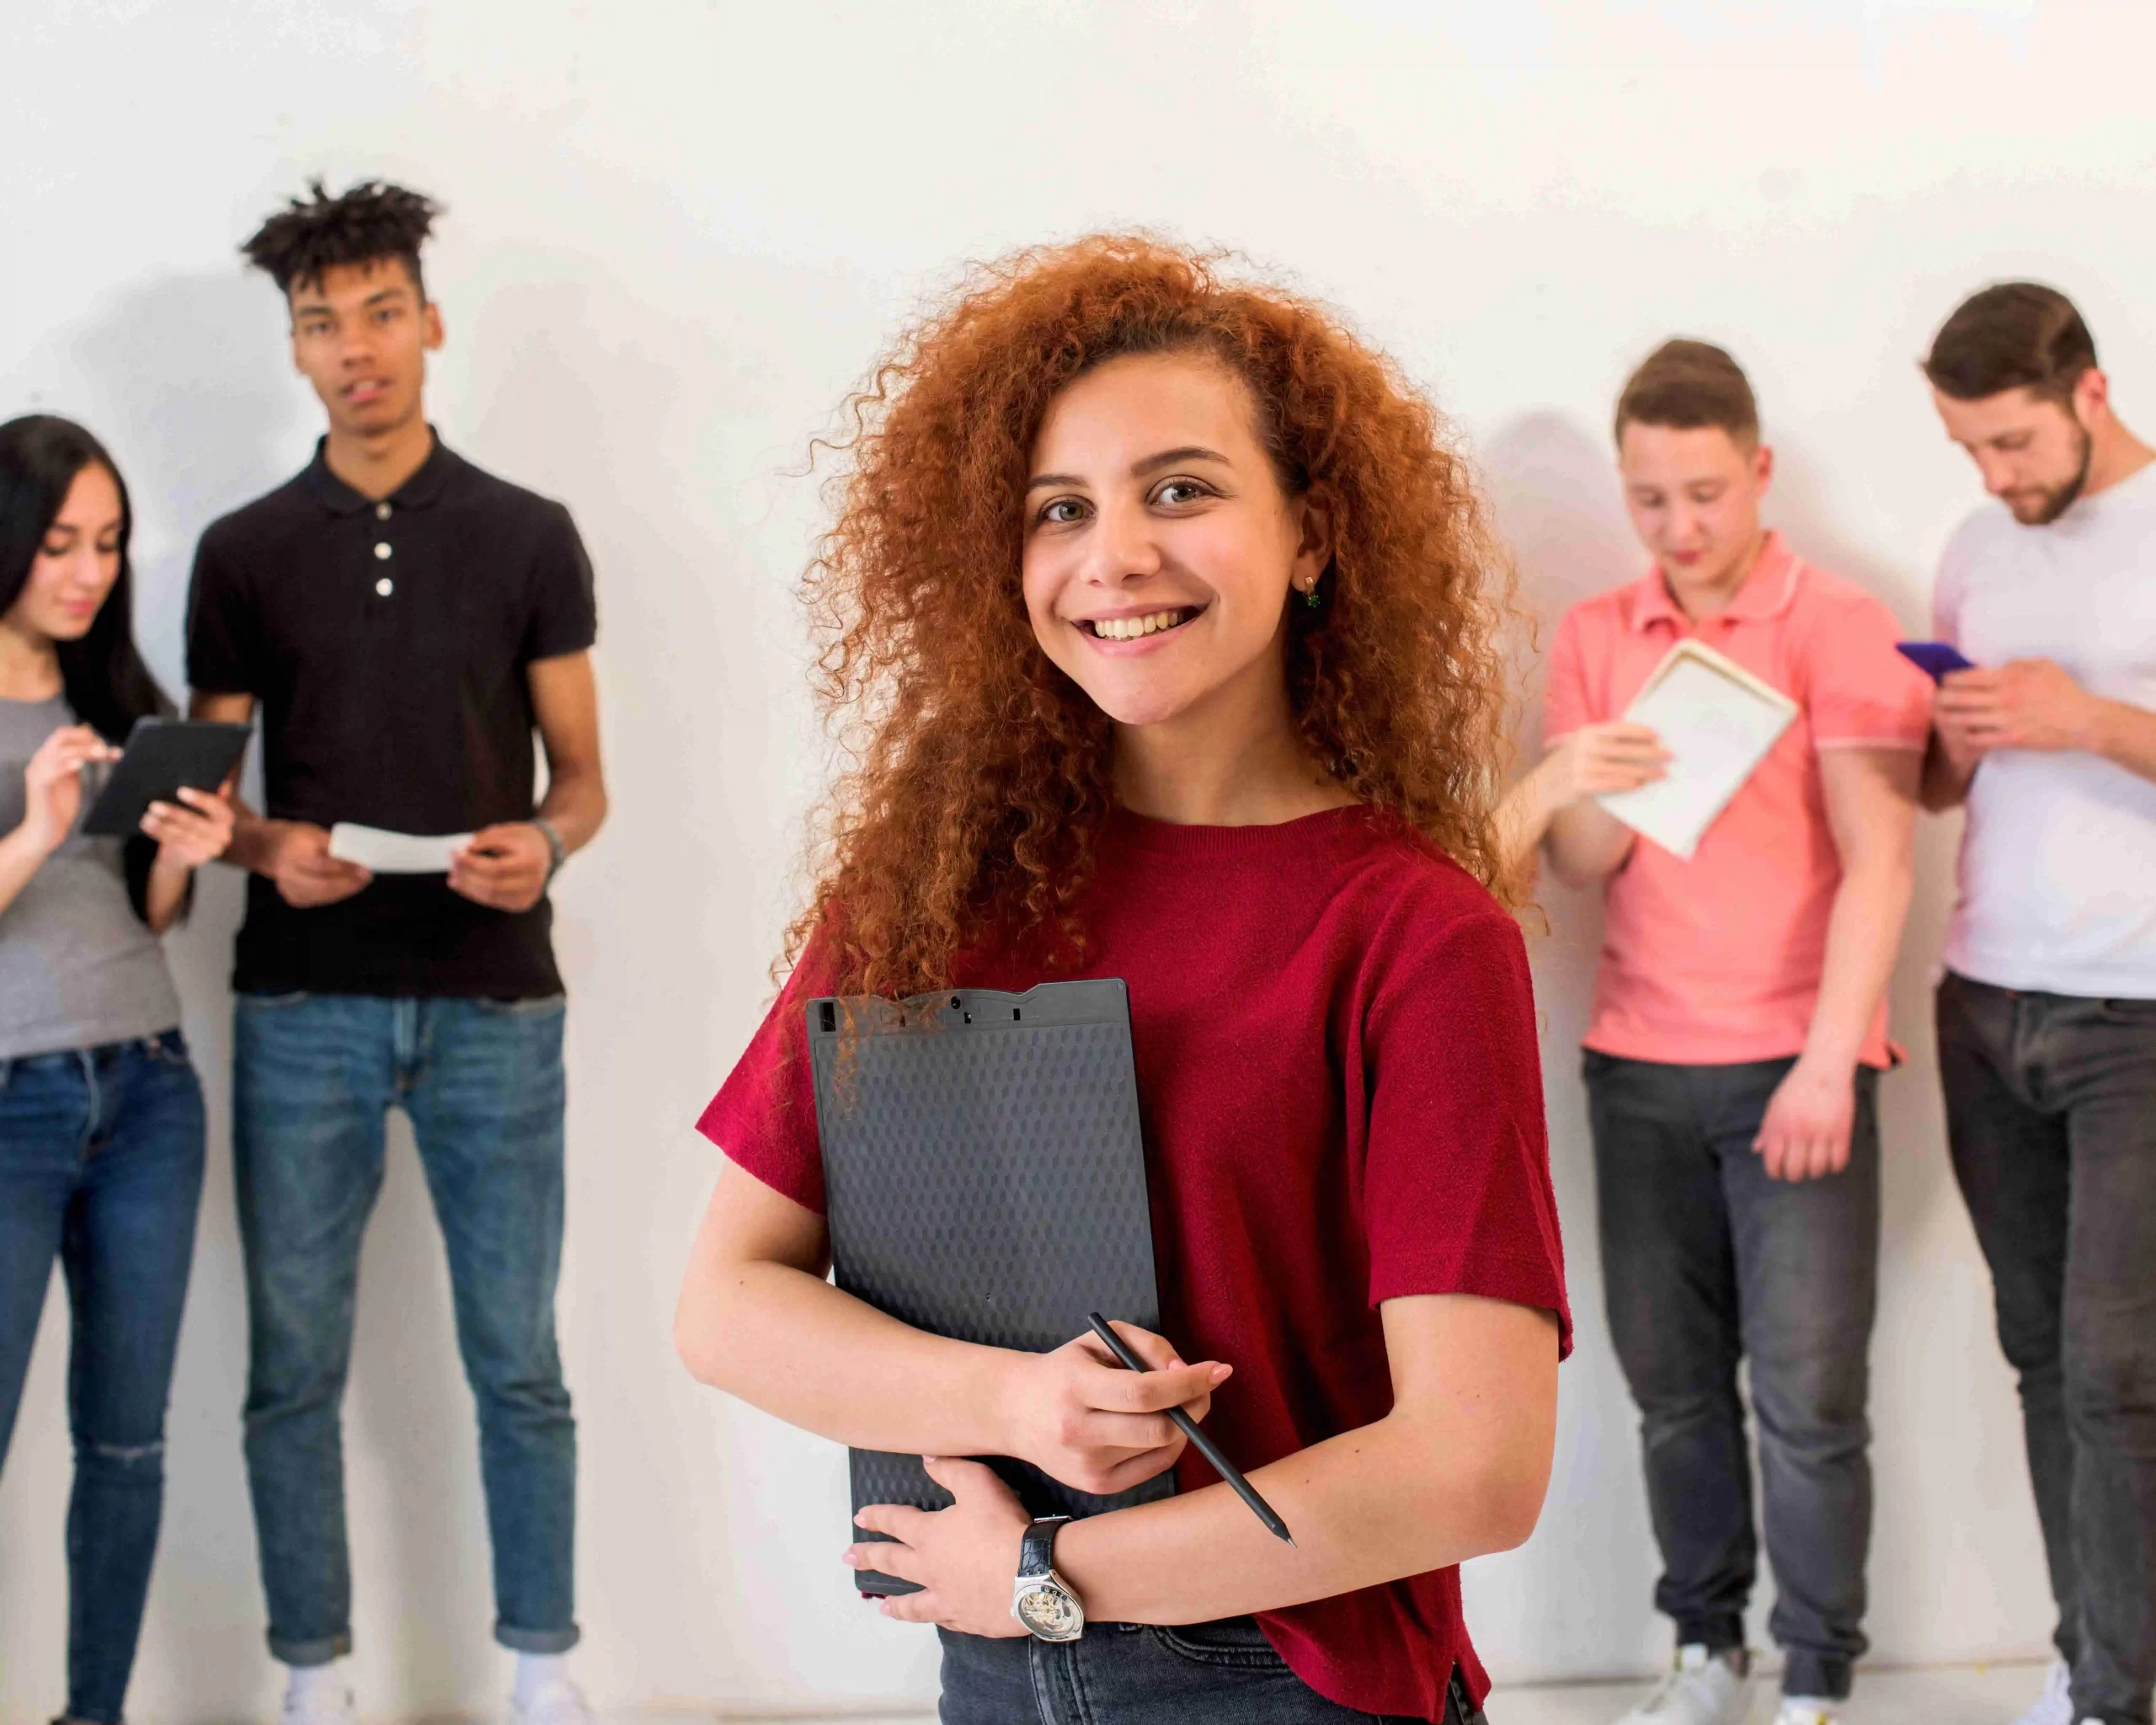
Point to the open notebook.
(1718, 721)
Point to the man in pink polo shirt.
(1738, 1032)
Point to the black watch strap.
(1037, 1550)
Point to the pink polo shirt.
(1718, 959)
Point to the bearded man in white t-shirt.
(2047, 1011)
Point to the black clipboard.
(161, 755)
(984, 1178)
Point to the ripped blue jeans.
(101, 1166)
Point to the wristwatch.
(556, 852)
(1040, 1598)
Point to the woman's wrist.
(166, 866)
(1004, 1400)
(31, 842)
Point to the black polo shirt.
(385, 645)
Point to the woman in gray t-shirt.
(101, 1121)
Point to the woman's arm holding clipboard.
(757, 1319)
(1457, 1469)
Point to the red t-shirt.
(1341, 1101)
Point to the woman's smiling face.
(1160, 548)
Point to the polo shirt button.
(385, 586)
(381, 550)
(381, 511)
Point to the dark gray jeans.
(1706, 1262)
(1130, 1674)
(2051, 1112)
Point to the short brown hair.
(1687, 384)
(2013, 335)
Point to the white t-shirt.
(2057, 888)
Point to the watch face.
(1050, 1612)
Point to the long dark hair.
(107, 683)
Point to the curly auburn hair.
(979, 773)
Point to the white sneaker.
(556, 1702)
(2056, 1705)
(1705, 1689)
(1806, 1710)
(319, 1694)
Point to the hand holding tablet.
(163, 756)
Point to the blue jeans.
(314, 1079)
(101, 1164)
(1131, 1674)
(1705, 1261)
(2051, 1114)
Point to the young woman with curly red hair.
(1159, 613)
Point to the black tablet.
(163, 755)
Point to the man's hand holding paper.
(305, 871)
(504, 867)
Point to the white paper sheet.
(1718, 721)
(387, 852)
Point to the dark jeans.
(1128, 1673)
(1705, 1261)
(101, 1164)
(314, 1076)
(2050, 1114)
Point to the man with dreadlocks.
(402, 622)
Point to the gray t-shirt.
(77, 968)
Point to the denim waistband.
(102, 1054)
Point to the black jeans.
(1130, 1674)
(1705, 1261)
(2050, 1114)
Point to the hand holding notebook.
(1717, 720)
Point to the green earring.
(1309, 597)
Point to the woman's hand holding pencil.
(1081, 1416)
(1186, 1423)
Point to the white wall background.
(677, 232)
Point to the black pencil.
(1206, 1447)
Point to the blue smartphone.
(1934, 658)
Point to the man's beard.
(2060, 498)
